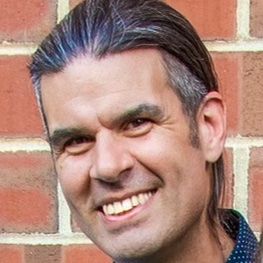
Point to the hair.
(259, 256)
(102, 27)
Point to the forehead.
(100, 86)
(87, 71)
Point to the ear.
(211, 120)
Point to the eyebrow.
(61, 135)
(142, 110)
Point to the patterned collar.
(246, 247)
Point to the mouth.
(126, 205)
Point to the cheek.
(163, 149)
(174, 160)
(73, 174)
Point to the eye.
(138, 127)
(77, 145)
(137, 123)
(75, 141)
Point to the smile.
(120, 207)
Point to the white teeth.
(135, 200)
(117, 207)
(127, 204)
(110, 209)
(141, 199)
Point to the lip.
(116, 221)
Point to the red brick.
(18, 110)
(256, 18)
(42, 254)
(255, 189)
(227, 201)
(228, 66)
(212, 19)
(252, 95)
(11, 254)
(24, 208)
(27, 20)
(84, 254)
(28, 200)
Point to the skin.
(118, 129)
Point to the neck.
(199, 244)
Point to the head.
(100, 30)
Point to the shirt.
(246, 244)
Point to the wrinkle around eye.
(77, 146)
(138, 127)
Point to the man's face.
(123, 155)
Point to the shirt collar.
(246, 245)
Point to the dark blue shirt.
(246, 245)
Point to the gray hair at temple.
(101, 27)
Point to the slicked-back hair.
(98, 28)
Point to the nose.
(111, 158)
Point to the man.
(136, 125)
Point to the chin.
(132, 252)
(132, 248)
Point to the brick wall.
(35, 222)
